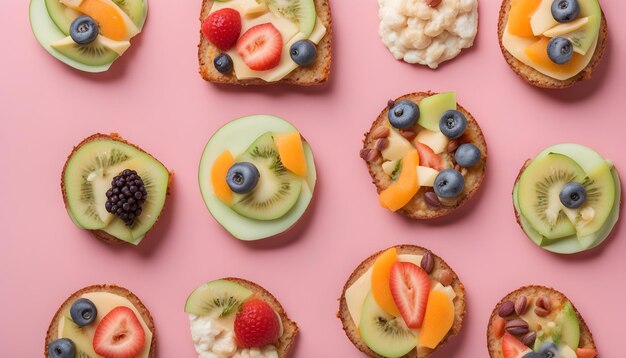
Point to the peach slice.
(586, 353)
(438, 320)
(291, 152)
(108, 16)
(218, 177)
(538, 54)
(520, 15)
(381, 273)
(404, 189)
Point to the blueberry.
(453, 124)
(242, 177)
(303, 52)
(403, 114)
(449, 184)
(565, 10)
(573, 195)
(560, 50)
(549, 350)
(532, 355)
(61, 348)
(467, 155)
(83, 312)
(223, 63)
(84, 30)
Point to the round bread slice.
(352, 331)
(53, 329)
(494, 344)
(104, 236)
(418, 208)
(537, 78)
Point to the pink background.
(154, 97)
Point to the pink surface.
(155, 98)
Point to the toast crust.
(538, 79)
(100, 234)
(459, 303)
(53, 329)
(493, 343)
(417, 208)
(316, 73)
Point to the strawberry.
(222, 28)
(428, 158)
(119, 334)
(261, 47)
(586, 353)
(512, 347)
(256, 325)
(410, 286)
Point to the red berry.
(410, 286)
(261, 47)
(119, 334)
(222, 28)
(256, 325)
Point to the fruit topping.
(586, 353)
(564, 29)
(84, 30)
(61, 348)
(519, 23)
(303, 52)
(560, 50)
(291, 152)
(467, 155)
(497, 327)
(403, 114)
(381, 273)
(547, 350)
(223, 63)
(449, 184)
(538, 54)
(219, 298)
(428, 158)
(222, 28)
(83, 312)
(110, 18)
(126, 196)
(433, 139)
(256, 324)
(433, 107)
(438, 319)
(397, 147)
(453, 124)
(398, 194)
(299, 12)
(426, 176)
(219, 171)
(261, 47)
(573, 195)
(242, 177)
(565, 10)
(119, 334)
(512, 347)
(410, 286)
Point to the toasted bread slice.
(418, 208)
(316, 73)
(115, 137)
(352, 331)
(53, 329)
(557, 300)
(537, 78)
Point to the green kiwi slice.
(300, 12)
(219, 298)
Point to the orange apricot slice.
(438, 320)
(381, 273)
(538, 54)
(520, 15)
(108, 17)
(398, 194)
(291, 152)
(586, 353)
(218, 177)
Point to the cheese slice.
(247, 8)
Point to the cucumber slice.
(219, 298)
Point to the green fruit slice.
(82, 342)
(300, 12)
(386, 335)
(278, 189)
(137, 10)
(540, 185)
(88, 174)
(61, 15)
(93, 54)
(219, 298)
(236, 137)
(570, 327)
(432, 109)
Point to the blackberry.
(126, 196)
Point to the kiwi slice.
(93, 54)
(135, 9)
(219, 298)
(386, 335)
(300, 12)
(278, 189)
(88, 174)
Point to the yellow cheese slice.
(247, 8)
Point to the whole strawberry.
(256, 325)
(222, 28)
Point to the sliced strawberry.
(512, 347)
(428, 158)
(410, 286)
(256, 325)
(586, 353)
(119, 334)
(261, 47)
(222, 28)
